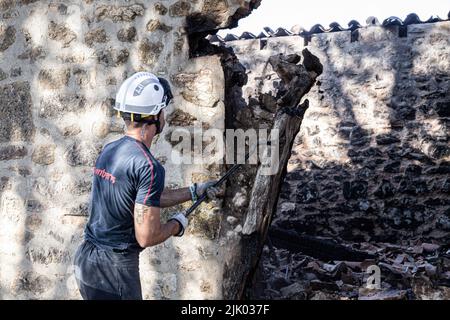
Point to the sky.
(287, 13)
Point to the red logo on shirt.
(105, 175)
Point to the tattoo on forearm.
(139, 212)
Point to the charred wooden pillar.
(294, 76)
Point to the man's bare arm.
(172, 197)
(148, 228)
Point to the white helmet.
(142, 94)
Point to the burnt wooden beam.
(296, 81)
(325, 250)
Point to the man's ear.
(144, 126)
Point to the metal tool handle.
(218, 183)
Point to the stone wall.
(61, 63)
(370, 167)
(371, 162)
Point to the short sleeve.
(150, 185)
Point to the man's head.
(140, 102)
(149, 128)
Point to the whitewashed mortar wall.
(61, 63)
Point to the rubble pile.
(410, 271)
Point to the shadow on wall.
(389, 103)
(371, 164)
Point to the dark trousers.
(106, 275)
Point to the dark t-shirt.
(125, 173)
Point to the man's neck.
(137, 136)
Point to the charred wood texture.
(294, 79)
(325, 250)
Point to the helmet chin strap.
(156, 122)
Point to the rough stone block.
(154, 25)
(97, 35)
(4, 183)
(149, 52)
(59, 8)
(160, 8)
(57, 106)
(112, 57)
(3, 75)
(179, 9)
(197, 88)
(16, 122)
(100, 129)
(181, 118)
(81, 77)
(82, 187)
(127, 34)
(29, 282)
(71, 130)
(33, 54)
(7, 37)
(119, 14)
(60, 32)
(82, 154)
(54, 78)
(12, 152)
(44, 154)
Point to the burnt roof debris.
(353, 25)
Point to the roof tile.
(392, 21)
(318, 28)
(247, 35)
(353, 25)
(372, 21)
(281, 32)
(412, 18)
(231, 37)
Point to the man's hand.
(182, 221)
(207, 187)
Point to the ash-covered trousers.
(107, 275)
